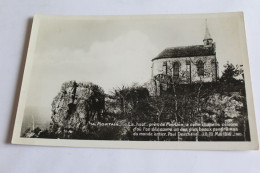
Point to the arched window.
(200, 67)
(176, 69)
(165, 67)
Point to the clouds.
(117, 51)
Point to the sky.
(112, 52)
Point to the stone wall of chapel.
(184, 73)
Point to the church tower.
(208, 41)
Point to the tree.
(129, 100)
(230, 72)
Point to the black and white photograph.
(151, 81)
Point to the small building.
(185, 65)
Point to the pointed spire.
(208, 41)
(207, 34)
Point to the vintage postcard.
(149, 82)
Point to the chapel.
(185, 64)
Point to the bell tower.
(208, 41)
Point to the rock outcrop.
(74, 106)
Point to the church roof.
(186, 51)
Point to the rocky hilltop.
(82, 110)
